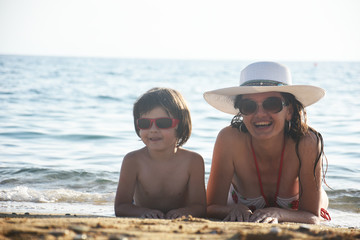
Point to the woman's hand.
(238, 213)
(153, 213)
(266, 215)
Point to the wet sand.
(29, 226)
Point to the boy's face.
(155, 138)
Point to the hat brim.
(223, 99)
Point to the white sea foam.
(343, 219)
(57, 208)
(61, 195)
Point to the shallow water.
(66, 123)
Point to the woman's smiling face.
(264, 124)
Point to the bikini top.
(235, 197)
(261, 201)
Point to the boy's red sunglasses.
(162, 123)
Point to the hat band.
(263, 83)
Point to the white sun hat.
(260, 77)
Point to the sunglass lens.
(273, 104)
(248, 107)
(164, 122)
(144, 123)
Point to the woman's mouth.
(262, 124)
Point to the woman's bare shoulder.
(309, 147)
(230, 134)
(309, 140)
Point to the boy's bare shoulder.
(191, 155)
(134, 155)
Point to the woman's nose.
(260, 110)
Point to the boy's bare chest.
(163, 180)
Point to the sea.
(66, 124)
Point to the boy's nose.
(153, 127)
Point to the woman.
(267, 166)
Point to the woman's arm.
(222, 171)
(275, 215)
(311, 192)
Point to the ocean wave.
(79, 137)
(109, 98)
(345, 200)
(61, 195)
(23, 135)
(6, 93)
(48, 178)
(71, 137)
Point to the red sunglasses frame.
(174, 122)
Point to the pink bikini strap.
(259, 177)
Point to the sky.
(291, 30)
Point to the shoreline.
(67, 226)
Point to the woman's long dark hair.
(296, 129)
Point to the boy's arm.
(196, 199)
(124, 206)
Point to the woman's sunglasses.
(271, 104)
(162, 123)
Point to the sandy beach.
(30, 226)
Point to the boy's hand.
(153, 213)
(176, 213)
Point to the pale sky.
(309, 30)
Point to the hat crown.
(267, 72)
